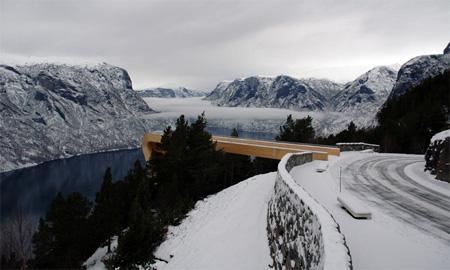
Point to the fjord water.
(35, 187)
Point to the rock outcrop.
(418, 69)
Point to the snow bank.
(302, 234)
(437, 156)
(441, 136)
(95, 262)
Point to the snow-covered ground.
(391, 239)
(228, 230)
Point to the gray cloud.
(199, 43)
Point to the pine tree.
(184, 167)
(127, 190)
(107, 213)
(300, 130)
(61, 240)
(145, 233)
(203, 160)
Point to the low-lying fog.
(266, 120)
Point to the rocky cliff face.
(419, 68)
(179, 92)
(51, 111)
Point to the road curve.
(380, 180)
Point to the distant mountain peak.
(163, 92)
(280, 91)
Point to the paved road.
(380, 179)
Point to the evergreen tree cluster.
(351, 134)
(185, 167)
(300, 130)
(407, 123)
(74, 228)
(61, 240)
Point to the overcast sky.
(197, 44)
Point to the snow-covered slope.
(419, 68)
(179, 92)
(50, 111)
(224, 231)
(274, 92)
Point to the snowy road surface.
(382, 181)
(410, 209)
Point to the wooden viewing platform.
(263, 149)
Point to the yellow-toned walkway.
(263, 149)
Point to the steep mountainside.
(279, 92)
(180, 92)
(367, 93)
(51, 111)
(419, 68)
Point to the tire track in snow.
(381, 180)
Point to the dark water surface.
(36, 186)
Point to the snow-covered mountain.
(179, 92)
(51, 111)
(419, 68)
(274, 92)
(356, 101)
(367, 93)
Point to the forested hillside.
(407, 123)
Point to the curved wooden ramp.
(263, 149)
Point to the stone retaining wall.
(358, 146)
(302, 234)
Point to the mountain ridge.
(273, 92)
(166, 92)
